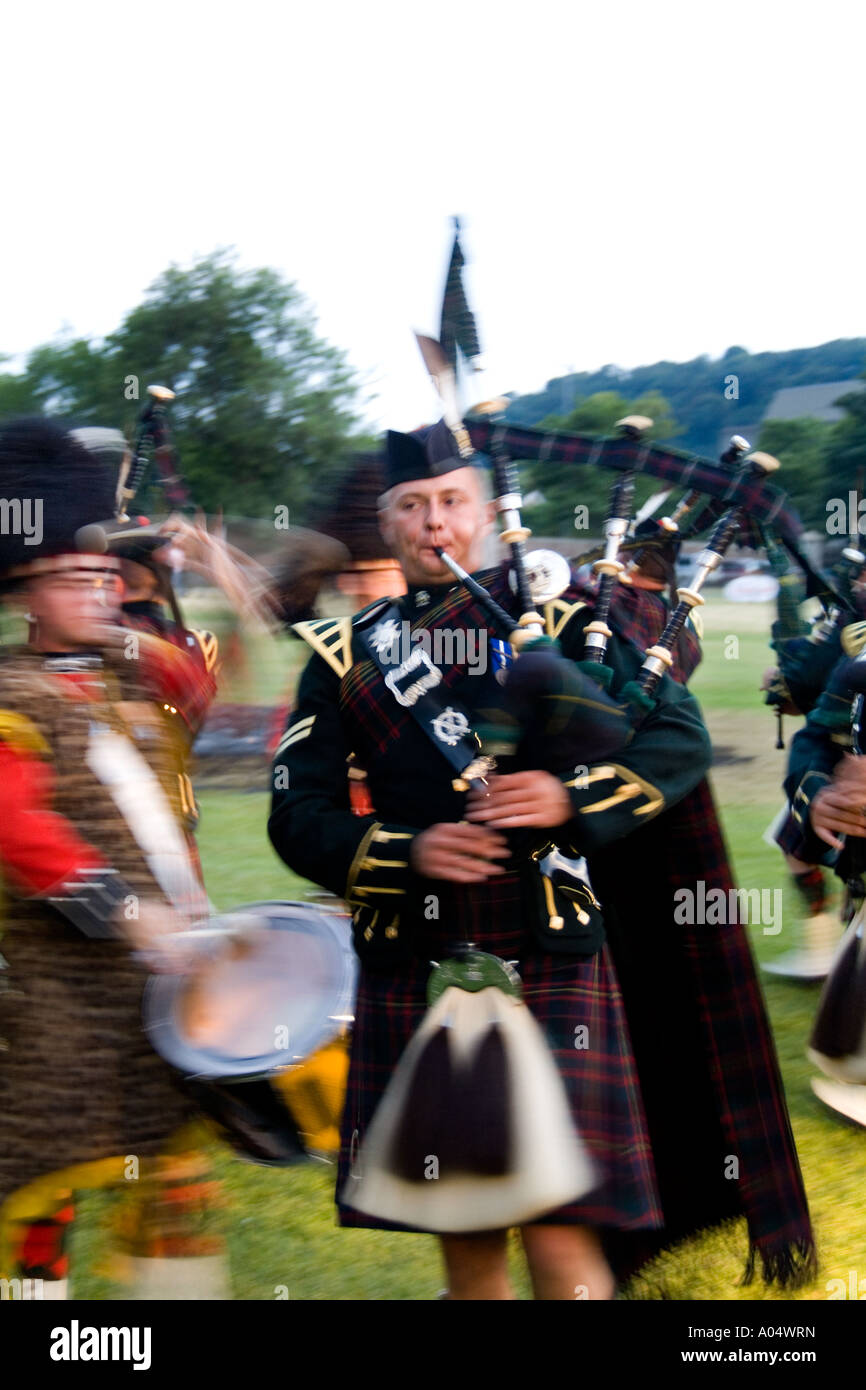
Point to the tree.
(265, 411)
(802, 447)
(846, 454)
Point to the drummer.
(95, 863)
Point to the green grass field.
(280, 1225)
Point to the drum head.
(276, 982)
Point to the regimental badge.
(450, 726)
(384, 637)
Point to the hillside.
(696, 390)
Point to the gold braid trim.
(331, 638)
(632, 786)
(360, 855)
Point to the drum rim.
(160, 997)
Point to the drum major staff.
(418, 878)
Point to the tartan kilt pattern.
(709, 1073)
(563, 993)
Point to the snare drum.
(257, 1030)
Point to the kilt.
(564, 994)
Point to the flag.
(457, 329)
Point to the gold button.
(391, 932)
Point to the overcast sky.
(637, 180)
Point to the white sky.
(637, 180)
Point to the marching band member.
(370, 571)
(826, 825)
(98, 880)
(639, 607)
(626, 1001)
(807, 658)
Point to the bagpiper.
(625, 998)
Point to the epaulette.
(854, 638)
(21, 734)
(331, 638)
(557, 612)
(209, 645)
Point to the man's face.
(449, 512)
(139, 582)
(364, 586)
(72, 605)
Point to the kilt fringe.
(789, 1265)
(705, 1028)
(784, 1264)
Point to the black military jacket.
(345, 711)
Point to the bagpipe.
(751, 491)
(735, 496)
(543, 691)
(136, 538)
(269, 597)
(747, 494)
(153, 443)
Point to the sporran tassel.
(424, 1124)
